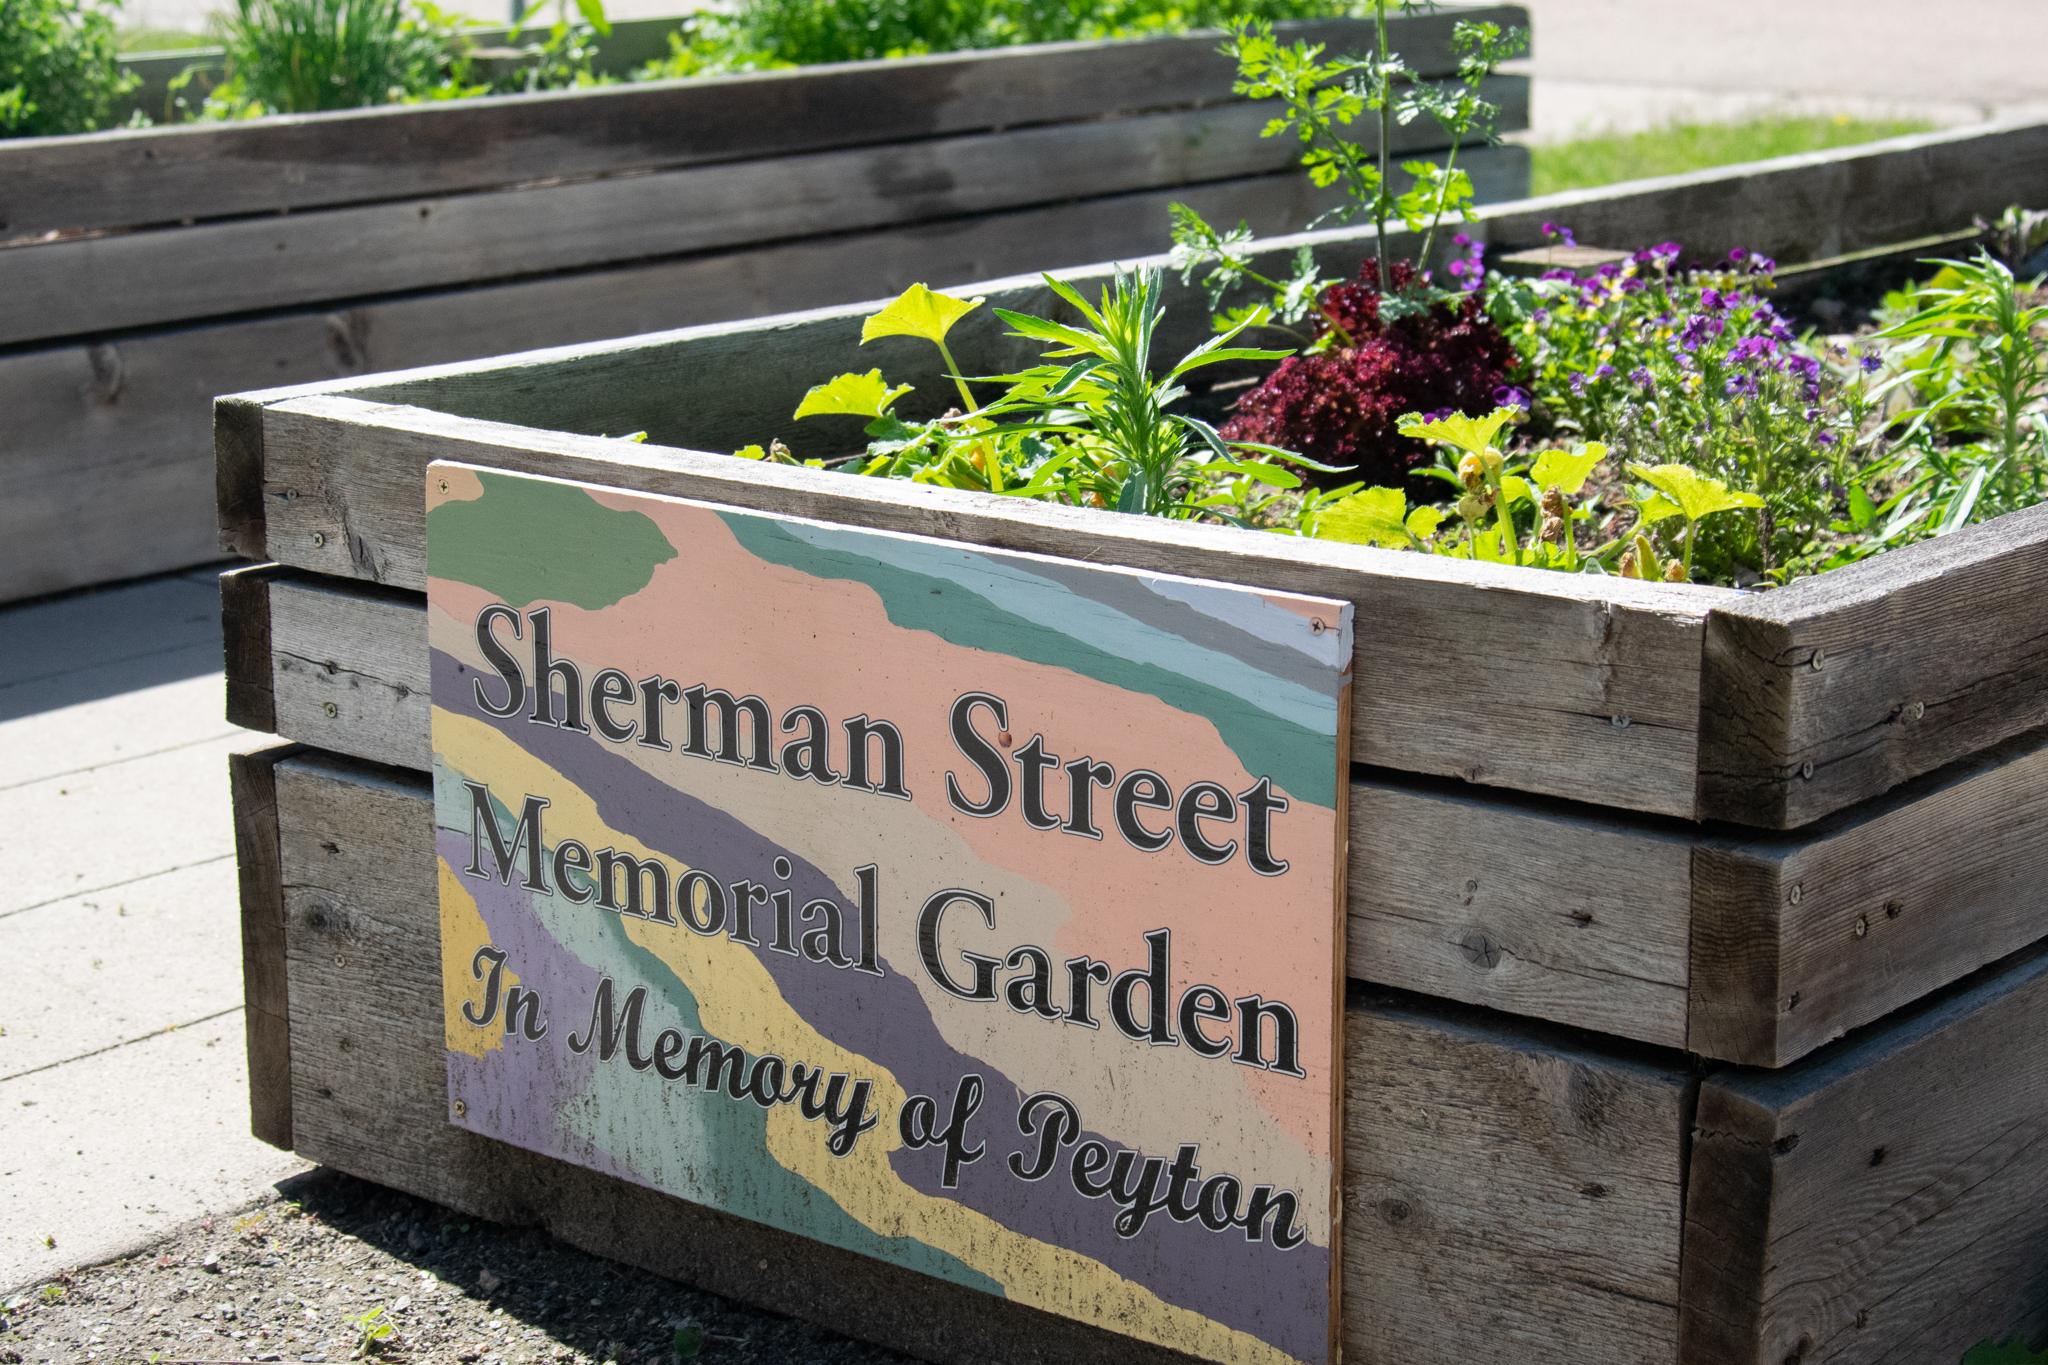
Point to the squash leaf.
(1472, 434)
(918, 312)
(851, 395)
(1374, 516)
(1693, 494)
(1567, 470)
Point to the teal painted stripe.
(961, 597)
(1064, 601)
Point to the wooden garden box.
(145, 271)
(1695, 937)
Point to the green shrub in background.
(60, 69)
(303, 56)
(805, 32)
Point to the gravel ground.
(317, 1276)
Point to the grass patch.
(1609, 159)
(161, 40)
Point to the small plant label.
(975, 911)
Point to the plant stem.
(953, 369)
(1384, 88)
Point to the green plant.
(302, 56)
(60, 69)
(375, 1331)
(2011, 1351)
(1320, 99)
(1090, 426)
(1969, 359)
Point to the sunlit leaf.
(1473, 434)
(851, 395)
(1696, 495)
(1374, 516)
(918, 312)
(1567, 470)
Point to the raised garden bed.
(1707, 832)
(147, 271)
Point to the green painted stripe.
(490, 542)
(1299, 758)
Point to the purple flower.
(1558, 272)
(1459, 267)
(1752, 349)
(1813, 414)
(1541, 315)
(1562, 234)
(1700, 329)
(1741, 385)
(1461, 239)
(1578, 382)
(1870, 363)
(1826, 438)
(1713, 300)
(1508, 396)
(1635, 285)
(1640, 377)
(1604, 372)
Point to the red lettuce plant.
(1340, 403)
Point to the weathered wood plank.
(266, 1002)
(105, 470)
(1481, 1162)
(1885, 1203)
(703, 387)
(98, 283)
(167, 175)
(1538, 1176)
(1844, 685)
(245, 618)
(1797, 941)
(1540, 913)
(1549, 683)
(1663, 933)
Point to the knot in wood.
(1480, 950)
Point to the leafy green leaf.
(1567, 470)
(1424, 521)
(593, 15)
(1471, 434)
(918, 312)
(1694, 494)
(753, 452)
(1373, 516)
(851, 395)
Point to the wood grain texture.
(1842, 686)
(1680, 936)
(1884, 1203)
(197, 171)
(1797, 941)
(266, 995)
(1465, 1140)
(1542, 682)
(245, 618)
(1571, 919)
(94, 284)
(104, 473)
(1509, 1195)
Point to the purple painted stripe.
(1279, 1297)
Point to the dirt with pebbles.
(338, 1270)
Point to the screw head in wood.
(319, 537)
(1798, 893)
(1316, 625)
(331, 709)
(1862, 925)
(460, 1109)
(1919, 710)
(1818, 661)
(1806, 770)
(1619, 722)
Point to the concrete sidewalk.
(1619, 65)
(123, 1106)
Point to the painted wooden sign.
(975, 911)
